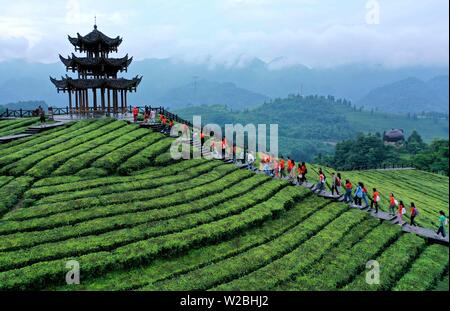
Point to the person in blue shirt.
(358, 194)
(442, 223)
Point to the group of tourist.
(281, 168)
(396, 207)
(287, 168)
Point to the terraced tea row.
(48, 272)
(16, 126)
(109, 195)
(181, 212)
(165, 268)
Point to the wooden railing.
(22, 113)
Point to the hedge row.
(16, 126)
(73, 216)
(34, 140)
(113, 239)
(119, 138)
(5, 179)
(19, 167)
(102, 225)
(299, 257)
(426, 271)
(12, 191)
(393, 262)
(91, 172)
(43, 274)
(154, 190)
(14, 154)
(349, 264)
(349, 240)
(114, 159)
(52, 185)
(84, 144)
(252, 259)
(166, 268)
(148, 183)
(145, 157)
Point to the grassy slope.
(212, 226)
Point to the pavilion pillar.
(103, 99)
(76, 100)
(116, 105)
(87, 100)
(80, 101)
(70, 101)
(122, 103)
(94, 91)
(83, 101)
(109, 101)
(126, 101)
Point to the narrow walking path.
(423, 232)
(32, 130)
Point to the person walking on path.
(299, 173)
(41, 116)
(365, 195)
(335, 183)
(358, 194)
(277, 168)
(135, 114)
(400, 211)
(413, 213)
(348, 191)
(304, 172)
(292, 170)
(375, 200)
(282, 173)
(289, 167)
(443, 221)
(392, 204)
(322, 181)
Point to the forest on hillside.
(312, 125)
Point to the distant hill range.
(21, 81)
(205, 92)
(410, 95)
(25, 105)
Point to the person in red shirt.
(365, 195)
(413, 214)
(375, 200)
(304, 172)
(282, 174)
(289, 166)
(400, 211)
(392, 204)
(224, 146)
(135, 114)
(277, 169)
(348, 191)
(321, 183)
(299, 173)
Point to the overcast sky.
(316, 33)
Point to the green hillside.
(312, 125)
(108, 195)
(15, 126)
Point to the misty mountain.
(410, 95)
(21, 80)
(205, 92)
(27, 105)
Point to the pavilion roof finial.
(95, 22)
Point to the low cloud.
(233, 32)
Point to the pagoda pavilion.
(97, 74)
